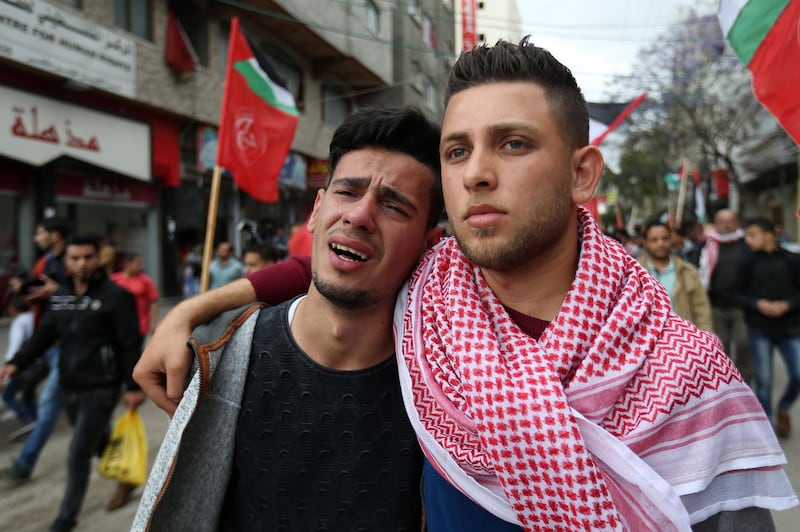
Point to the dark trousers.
(89, 412)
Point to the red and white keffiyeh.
(621, 416)
(709, 255)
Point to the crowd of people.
(529, 373)
(87, 328)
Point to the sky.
(598, 39)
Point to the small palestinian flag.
(258, 119)
(765, 34)
(606, 117)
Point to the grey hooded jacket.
(188, 482)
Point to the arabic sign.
(105, 190)
(36, 130)
(51, 38)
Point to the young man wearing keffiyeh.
(550, 384)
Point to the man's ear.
(587, 167)
(433, 236)
(312, 219)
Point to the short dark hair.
(760, 221)
(506, 61)
(651, 224)
(400, 129)
(78, 239)
(57, 225)
(265, 251)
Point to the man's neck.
(57, 249)
(80, 286)
(771, 247)
(538, 287)
(659, 264)
(343, 339)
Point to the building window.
(195, 23)
(291, 72)
(373, 16)
(335, 103)
(426, 31)
(415, 11)
(134, 16)
(480, 5)
(222, 45)
(430, 94)
(417, 78)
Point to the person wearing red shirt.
(133, 279)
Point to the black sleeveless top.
(320, 449)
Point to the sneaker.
(24, 430)
(121, 497)
(16, 471)
(784, 425)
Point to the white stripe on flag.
(596, 129)
(728, 12)
(283, 96)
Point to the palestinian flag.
(765, 34)
(257, 121)
(605, 117)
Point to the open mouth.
(347, 253)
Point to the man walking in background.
(96, 322)
(680, 279)
(258, 256)
(722, 253)
(49, 237)
(133, 279)
(225, 267)
(769, 292)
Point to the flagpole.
(211, 226)
(216, 177)
(632, 221)
(681, 195)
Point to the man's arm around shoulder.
(164, 364)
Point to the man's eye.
(456, 153)
(396, 208)
(515, 144)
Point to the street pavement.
(32, 505)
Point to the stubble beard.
(536, 236)
(344, 298)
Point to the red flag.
(178, 51)
(258, 120)
(766, 36)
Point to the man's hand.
(132, 399)
(164, 365)
(7, 371)
(37, 294)
(772, 309)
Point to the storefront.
(93, 168)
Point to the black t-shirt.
(320, 449)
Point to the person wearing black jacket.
(769, 292)
(96, 322)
